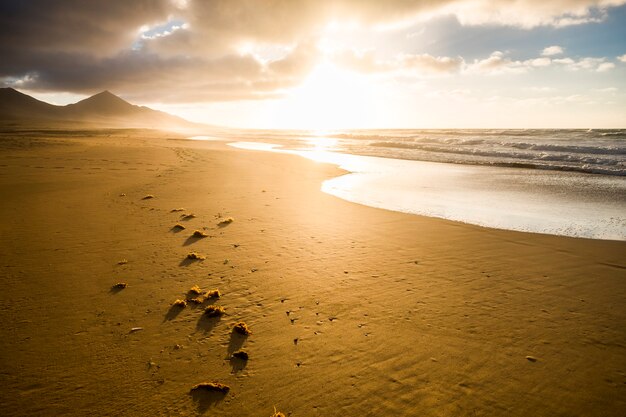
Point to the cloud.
(587, 63)
(531, 13)
(622, 58)
(150, 77)
(361, 61)
(300, 61)
(423, 65)
(564, 61)
(552, 50)
(223, 49)
(428, 64)
(539, 62)
(96, 28)
(497, 63)
(220, 25)
(605, 66)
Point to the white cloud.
(587, 63)
(161, 32)
(605, 66)
(564, 61)
(423, 65)
(499, 63)
(429, 64)
(552, 50)
(622, 58)
(496, 63)
(538, 62)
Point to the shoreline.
(410, 314)
(535, 201)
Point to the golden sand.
(355, 311)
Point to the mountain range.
(104, 110)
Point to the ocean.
(555, 181)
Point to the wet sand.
(352, 310)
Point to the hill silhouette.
(104, 109)
(15, 105)
(103, 104)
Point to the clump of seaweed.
(197, 300)
(214, 311)
(201, 297)
(120, 285)
(226, 221)
(241, 354)
(277, 413)
(212, 386)
(195, 256)
(241, 328)
(213, 293)
(177, 209)
(179, 226)
(180, 303)
(199, 234)
(148, 197)
(122, 262)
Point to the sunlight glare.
(322, 142)
(330, 98)
(320, 145)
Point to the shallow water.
(530, 200)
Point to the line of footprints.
(195, 295)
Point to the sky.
(313, 64)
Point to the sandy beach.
(353, 311)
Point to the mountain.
(104, 109)
(102, 104)
(15, 106)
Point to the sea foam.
(552, 202)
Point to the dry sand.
(354, 311)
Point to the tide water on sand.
(532, 200)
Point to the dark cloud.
(84, 47)
(94, 27)
(149, 76)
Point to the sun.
(330, 98)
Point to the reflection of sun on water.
(330, 98)
(321, 142)
(319, 146)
